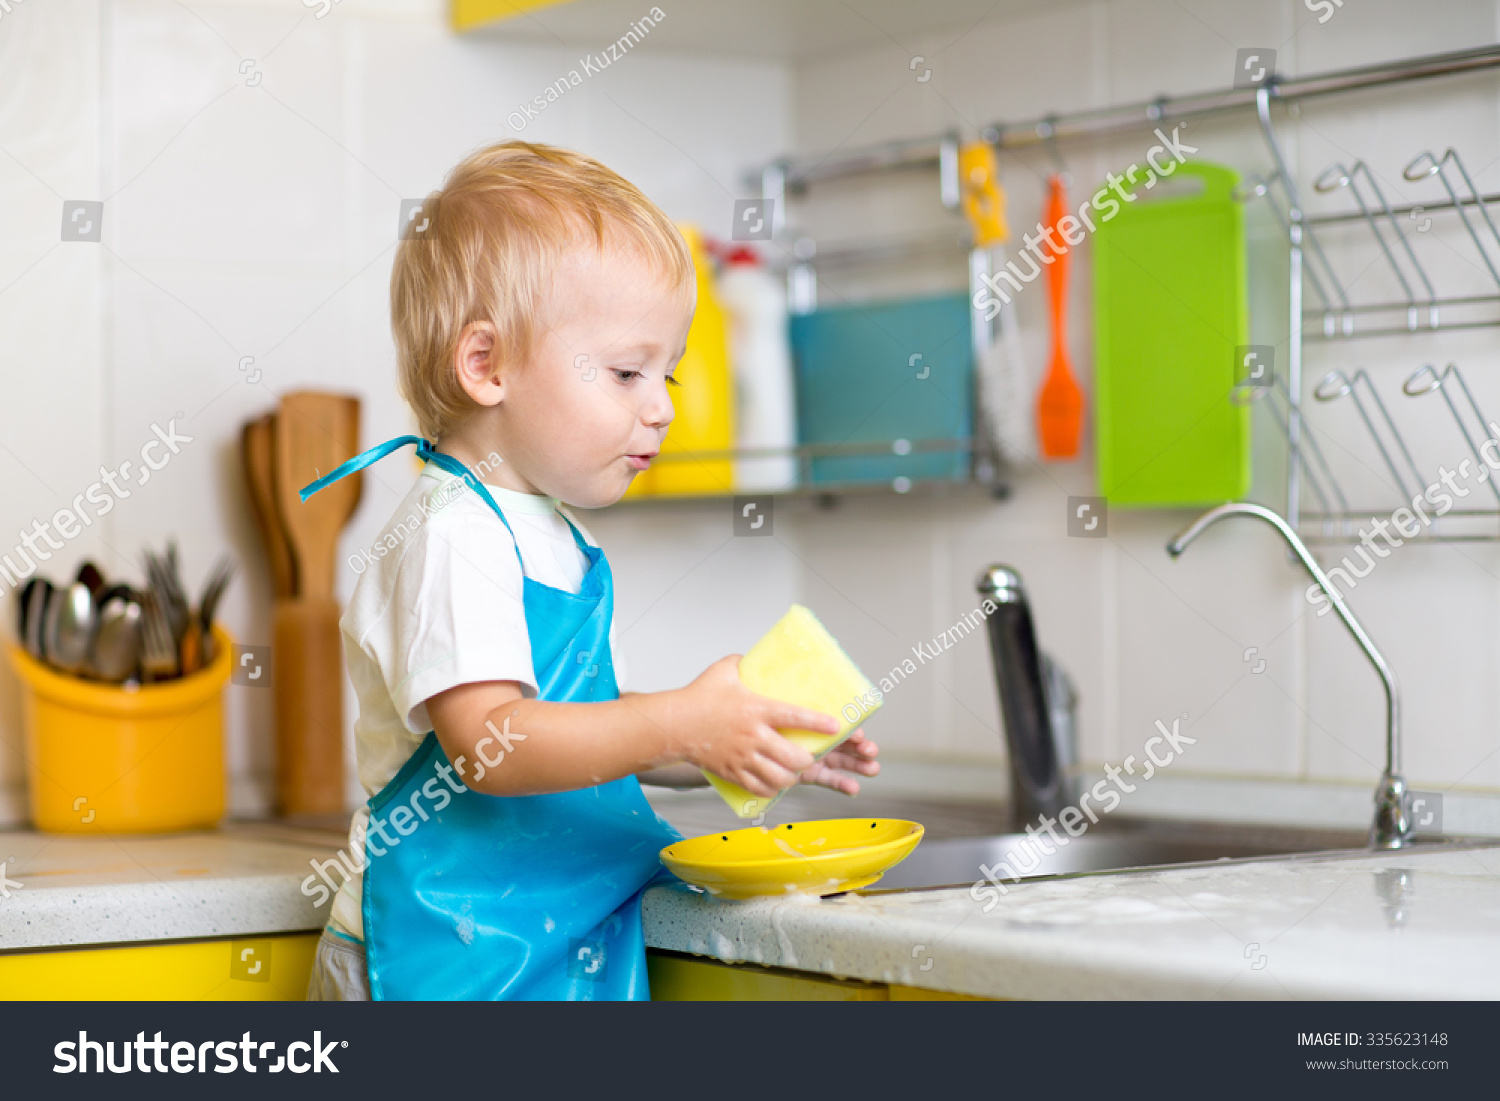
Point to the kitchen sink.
(955, 861)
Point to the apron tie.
(428, 454)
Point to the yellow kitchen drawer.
(249, 969)
(678, 978)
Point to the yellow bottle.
(704, 402)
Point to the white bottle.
(755, 301)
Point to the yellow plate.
(820, 858)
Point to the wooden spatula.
(255, 449)
(313, 433)
(1059, 412)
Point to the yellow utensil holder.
(102, 758)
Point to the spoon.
(37, 603)
(92, 576)
(117, 645)
(47, 630)
(23, 610)
(71, 630)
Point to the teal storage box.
(883, 372)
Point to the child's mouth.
(640, 462)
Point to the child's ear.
(475, 361)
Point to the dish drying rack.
(1422, 309)
(1336, 318)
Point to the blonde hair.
(502, 220)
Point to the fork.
(158, 651)
(208, 603)
(163, 575)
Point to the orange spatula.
(1059, 407)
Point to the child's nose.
(658, 412)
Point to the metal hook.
(1424, 164)
(1246, 394)
(1425, 379)
(1256, 187)
(950, 189)
(1336, 384)
(1412, 388)
(1251, 187)
(1299, 229)
(1335, 177)
(1047, 131)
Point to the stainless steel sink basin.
(955, 862)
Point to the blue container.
(883, 372)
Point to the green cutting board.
(1169, 313)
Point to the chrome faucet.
(1392, 828)
(1037, 702)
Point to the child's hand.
(855, 754)
(725, 728)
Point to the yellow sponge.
(799, 662)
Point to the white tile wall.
(1146, 637)
(257, 219)
(51, 294)
(251, 217)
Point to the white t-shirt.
(439, 604)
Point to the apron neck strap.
(578, 540)
(427, 454)
(359, 462)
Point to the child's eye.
(672, 381)
(625, 374)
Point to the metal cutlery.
(159, 655)
(117, 633)
(92, 576)
(71, 628)
(48, 622)
(117, 644)
(163, 577)
(32, 610)
(208, 603)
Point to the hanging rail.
(797, 172)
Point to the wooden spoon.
(309, 702)
(255, 449)
(313, 433)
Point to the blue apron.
(537, 897)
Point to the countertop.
(66, 890)
(1422, 923)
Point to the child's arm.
(679, 777)
(517, 746)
